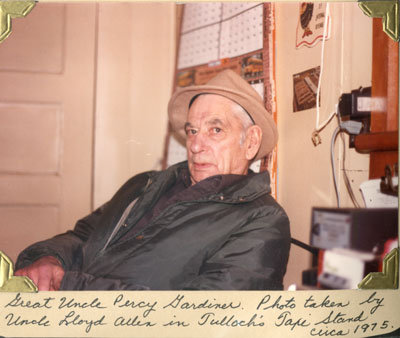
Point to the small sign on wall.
(305, 86)
(310, 27)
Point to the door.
(47, 68)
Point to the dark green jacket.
(238, 239)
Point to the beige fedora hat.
(231, 85)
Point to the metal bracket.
(388, 278)
(389, 11)
(10, 10)
(11, 283)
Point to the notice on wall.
(310, 27)
(356, 313)
(305, 86)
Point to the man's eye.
(191, 131)
(216, 130)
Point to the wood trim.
(383, 141)
(379, 73)
(392, 117)
(385, 78)
(380, 159)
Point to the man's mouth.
(201, 165)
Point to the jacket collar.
(249, 188)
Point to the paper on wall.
(374, 198)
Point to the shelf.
(372, 142)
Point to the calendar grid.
(221, 20)
(212, 32)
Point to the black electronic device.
(357, 106)
(363, 229)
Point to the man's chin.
(199, 175)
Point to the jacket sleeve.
(252, 258)
(66, 247)
(77, 280)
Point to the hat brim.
(179, 105)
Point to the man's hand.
(47, 273)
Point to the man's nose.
(197, 143)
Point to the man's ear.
(253, 141)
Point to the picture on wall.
(310, 27)
(305, 86)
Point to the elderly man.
(208, 223)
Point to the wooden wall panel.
(30, 137)
(30, 189)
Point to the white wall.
(304, 171)
(136, 62)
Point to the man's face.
(213, 140)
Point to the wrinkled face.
(213, 140)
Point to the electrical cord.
(346, 178)
(335, 133)
(314, 250)
(322, 126)
(318, 127)
(352, 128)
(316, 139)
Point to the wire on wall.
(352, 128)
(335, 134)
(345, 176)
(318, 126)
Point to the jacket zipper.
(120, 222)
(124, 216)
